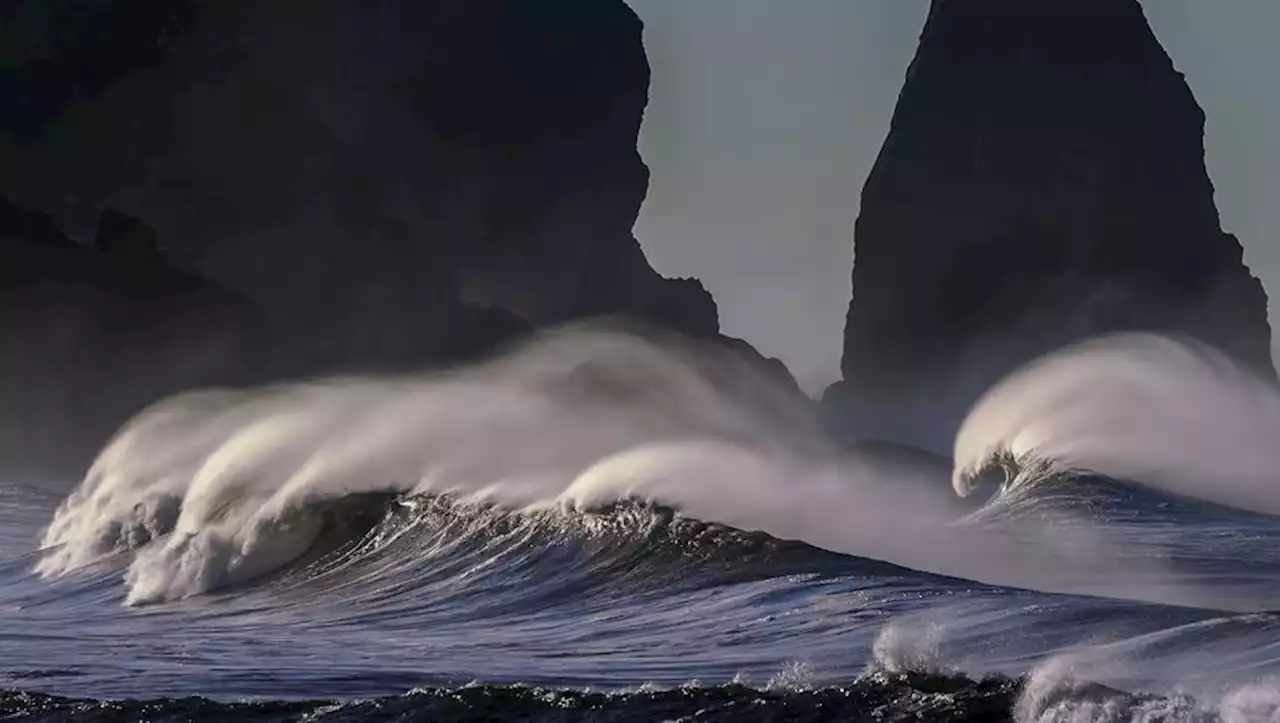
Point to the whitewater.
(609, 521)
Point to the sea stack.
(92, 334)
(1043, 180)
(389, 187)
(359, 170)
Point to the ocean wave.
(1169, 413)
(440, 549)
(212, 490)
(217, 487)
(601, 508)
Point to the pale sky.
(766, 116)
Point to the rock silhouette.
(354, 165)
(1043, 180)
(385, 186)
(91, 336)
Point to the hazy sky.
(766, 116)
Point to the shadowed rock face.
(90, 335)
(54, 53)
(391, 185)
(354, 166)
(1043, 180)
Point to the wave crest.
(212, 489)
(1166, 412)
(217, 487)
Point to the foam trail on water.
(1170, 413)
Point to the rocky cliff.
(1043, 179)
(356, 165)
(393, 185)
(90, 334)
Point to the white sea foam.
(912, 644)
(1170, 413)
(1064, 689)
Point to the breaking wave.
(215, 488)
(1171, 414)
(591, 508)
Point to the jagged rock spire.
(1043, 180)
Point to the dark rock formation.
(355, 165)
(394, 185)
(54, 53)
(20, 225)
(123, 236)
(89, 338)
(1043, 180)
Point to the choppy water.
(603, 527)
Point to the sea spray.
(909, 645)
(212, 489)
(215, 487)
(581, 556)
(1167, 412)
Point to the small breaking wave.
(1169, 413)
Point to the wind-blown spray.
(215, 488)
(1170, 413)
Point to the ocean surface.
(601, 526)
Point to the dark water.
(209, 570)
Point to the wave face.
(635, 527)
